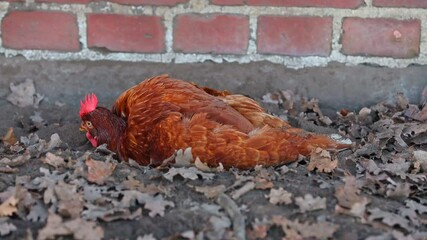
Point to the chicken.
(152, 120)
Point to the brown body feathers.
(161, 115)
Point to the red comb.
(89, 104)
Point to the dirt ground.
(54, 185)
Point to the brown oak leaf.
(53, 160)
(99, 171)
(78, 228)
(8, 207)
(322, 161)
(296, 230)
(211, 191)
(259, 230)
(9, 138)
(279, 196)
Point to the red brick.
(150, 2)
(40, 30)
(211, 33)
(308, 3)
(66, 1)
(381, 37)
(400, 3)
(294, 36)
(228, 2)
(126, 33)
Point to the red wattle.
(91, 139)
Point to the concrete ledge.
(337, 86)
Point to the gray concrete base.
(337, 86)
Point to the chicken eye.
(89, 124)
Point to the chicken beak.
(82, 129)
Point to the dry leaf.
(399, 167)
(134, 184)
(401, 190)
(8, 169)
(9, 138)
(31, 139)
(364, 113)
(190, 234)
(415, 113)
(95, 212)
(54, 142)
(321, 160)
(263, 183)
(24, 94)
(420, 208)
(202, 166)
(17, 161)
(6, 228)
(205, 168)
(37, 119)
(156, 205)
(373, 168)
(8, 207)
(421, 157)
(411, 215)
(121, 214)
(401, 101)
(297, 230)
(183, 158)
(78, 228)
(347, 194)
(258, 231)
(146, 237)
(211, 192)
(188, 173)
(49, 195)
(391, 219)
(349, 202)
(70, 202)
(309, 203)
(358, 209)
(38, 212)
(284, 169)
(279, 196)
(218, 227)
(274, 98)
(53, 160)
(99, 171)
(234, 213)
(130, 183)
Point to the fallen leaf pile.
(24, 94)
(377, 190)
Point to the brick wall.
(296, 33)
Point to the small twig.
(233, 211)
(241, 191)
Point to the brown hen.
(153, 119)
